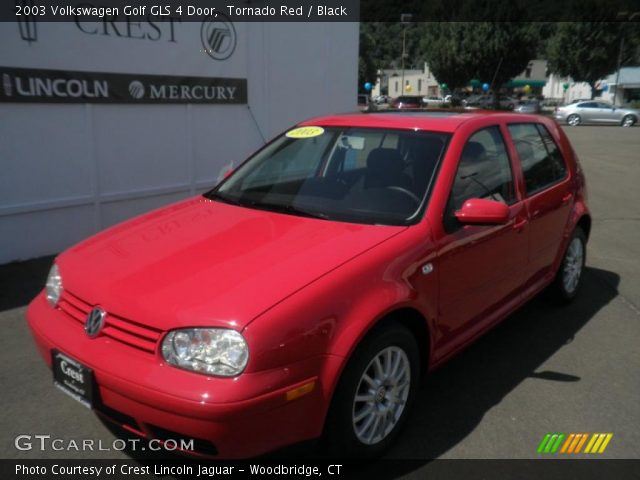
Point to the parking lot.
(545, 369)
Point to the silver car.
(596, 112)
(529, 106)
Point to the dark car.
(407, 101)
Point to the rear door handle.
(567, 197)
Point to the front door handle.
(520, 224)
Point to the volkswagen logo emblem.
(94, 322)
(218, 37)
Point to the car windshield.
(359, 175)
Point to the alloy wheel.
(381, 395)
(573, 264)
(573, 120)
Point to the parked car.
(529, 106)
(486, 101)
(407, 101)
(475, 100)
(596, 113)
(433, 101)
(382, 99)
(307, 293)
(363, 102)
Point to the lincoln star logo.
(27, 23)
(218, 37)
(95, 321)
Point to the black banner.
(305, 468)
(319, 11)
(61, 86)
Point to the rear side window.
(542, 162)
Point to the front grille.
(120, 329)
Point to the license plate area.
(73, 378)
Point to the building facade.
(105, 120)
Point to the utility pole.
(405, 19)
(615, 94)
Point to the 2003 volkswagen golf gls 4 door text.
(305, 295)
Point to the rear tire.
(569, 277)
(374, 394)
(574, 120)
(628, 121)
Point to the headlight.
(54, 285)
(214, 351)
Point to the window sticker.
(305, 132)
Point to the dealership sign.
(59, 86)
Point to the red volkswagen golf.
(305, 295)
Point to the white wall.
(554, 89)
(67, 171)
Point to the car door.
(588, 112)
(479, 266)
(548, 195)
(608, 114)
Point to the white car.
(433, 101)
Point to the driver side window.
(484, 171)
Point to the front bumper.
(241, 417)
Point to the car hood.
(204, 263)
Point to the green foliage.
(488, 51)
(366, 65)
(585, 51)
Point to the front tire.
(375, 394)
(574, 120)
(569, 276)
(628, 121)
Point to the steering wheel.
(407, 192)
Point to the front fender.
(332, 315)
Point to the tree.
(492, 52)
(585, 51)
(366, 63)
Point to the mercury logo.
(136, 89)
(218, 37)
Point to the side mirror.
(480, 211)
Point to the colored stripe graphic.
(598, 443)
(572, 443)
(550, 443)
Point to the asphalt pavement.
(545, 369)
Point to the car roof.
(438, 121)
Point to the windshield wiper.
(290, 209)
(223, 198)
(275, 207)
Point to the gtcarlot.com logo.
(573, 443)
(47, 442)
